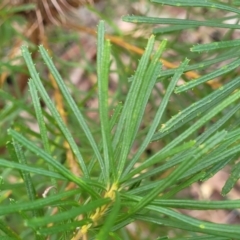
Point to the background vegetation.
(137, 138)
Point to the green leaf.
(39, 115)
(130, 103)
(103, 61)
(190, 224)
(179, 171)
(222, 230)
(198, 205)
(41, 123)
(210, 76)
(215, 46)
(36, 170)
(38, 203)
(189, 204)
(58, 166)
(113, 121)
(175, 28)
(13, 156)
(63, 216)
(158, 115)
(8, 231)
(218, 124)
(122, 224)
(198, 3)
(162, 238)
(184, 184)
(31, 192)
(210, 160)
(232, 53)
(185, 22)
(138, 96)
(156, 158)
(217, 167)
(52, 108)
(63, 227)
(234, 177)
(73, 106)
(213, 157)
(232, 98)
(198, 108)
(135, 86)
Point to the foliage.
(117, 183)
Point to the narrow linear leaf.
(191, 225)
(58, 166)
(13, 157)
(39, 115)
(197, 109)
(8, 231)
(113, 122)
(157, 158)
(52, 108)
(217, 124)
(205, 3)
(190, 204)
(183, 185)
(210, 160)
(158, 115)
(63, 216)
(72, 104)
(203, 165)
(135, 86)
(178, 172)
(185, 22)
(41, 123)
(63, 227)
(215, 46)
(220, 58)
(103, 61)
(36, 170)
(217, 167)
(135, 123)
(193, 83)
(217, 155)
(38, 203)
(31, 192)
(154, 68)
(122, 224)
(234, 177)
(164, 30)
(222, 230)
(130, 112)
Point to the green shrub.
(118, 183)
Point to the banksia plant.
(119, 187)
(116, 187)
